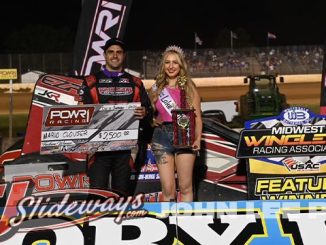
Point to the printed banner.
(7, 74)
(105, 218)
(99, 21)
(286, 155)
(89, 128)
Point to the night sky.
(293, 22)
(155, 24)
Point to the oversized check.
(89, 128)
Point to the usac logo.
(295, 165)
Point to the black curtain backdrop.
(323, 85)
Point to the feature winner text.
(305, 139)
(291, 188)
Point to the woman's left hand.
(196, 145)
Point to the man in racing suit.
(113, 85)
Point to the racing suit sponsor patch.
(116, 91)
(107, 80)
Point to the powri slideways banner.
(27, 219)
(99, 21)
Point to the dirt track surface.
(296, 93)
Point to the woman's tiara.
(176, 49)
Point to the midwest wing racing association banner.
(286, 155)
(89, 128)
(100, 20)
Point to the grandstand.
(283, 60)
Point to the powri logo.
(69, 116)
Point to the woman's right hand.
(157, 122)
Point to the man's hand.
(140, 112)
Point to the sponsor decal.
(69, 116)
(124, 80)
(54, 181)
(71, 86)
(148, 176)
(116, 91)
(105, 91)
(107, 80)
(9, 156)
(296, 115)
(295, 165)
(49, 94)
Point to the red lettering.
(23, 178)
(72, 86)
(70, 181)
(17, 191)
(44, 182)
(49, 182)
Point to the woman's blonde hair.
(161, 79)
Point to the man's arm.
(145, 126)
(145, 101)
(86, 93)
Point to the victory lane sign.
(285, 155)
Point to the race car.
(218, 174)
